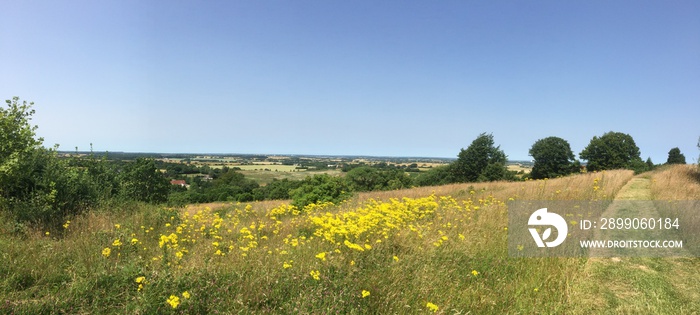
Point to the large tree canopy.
(613, 150)
(553, 157)
(481, 161)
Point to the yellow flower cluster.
(312, 239)
(432, 307)
(376, 220)
(141, 281)
(315, 274)
(174, 301)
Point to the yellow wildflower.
(186, 295)
(475, 273)
(140, 281)
(315, 274)
(432, 307)
(321, 256)
(117, 243)
(106, 252)
(174, 301)
(365, 293)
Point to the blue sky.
(388, 78)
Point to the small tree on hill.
(481, 161)
(613, 150)
(553, 157)
(675, 156)
(650, 164)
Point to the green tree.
(613, 150)
(142, 181)
(17, 135)
(481, 161)
(553, 157)
(320, 188)
(650, 164)
(35, 185)
(440, 175)
(675, 156)
(366, 178)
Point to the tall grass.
(677, 190)
(676, 182)
(442, 245)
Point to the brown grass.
(575, 187)
(676, 182)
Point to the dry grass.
(576, 187)
(677, 189)
(455, 257)
(676, 182)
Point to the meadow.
(428, 250)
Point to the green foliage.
(553, 157)
(481, 161)
(277, 189)
(16, 133)
(650, 164)
(142, 181)
(320, 188)
(35, 185)
(230, 185)
(440, 175)
(675, 156)
(613, 150)
(367, 178)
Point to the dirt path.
(611, 284)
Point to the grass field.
(269, 167)
(263, 177)
(416, 251)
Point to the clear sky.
(386, 78)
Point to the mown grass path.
(635, 285)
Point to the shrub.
(320, 188)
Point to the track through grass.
(636, 285)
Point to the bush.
(366, 178)
(440, 175)
(40, 188)
(320, 188)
